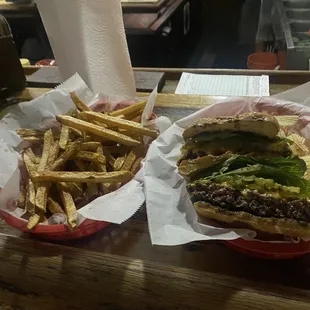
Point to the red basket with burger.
(247, 171)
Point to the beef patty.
(253, 202)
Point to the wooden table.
(118, 268)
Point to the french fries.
(68, 153)
(33, 221)
(30, 166)
(53, 206)
(47, 144)
(24, 132)
(78, 102)
(30, 198)
(120, 123)
(82, 177)
(32, 157)
(129, 110)
(54, 152)
(136, 165)
(90, 155)
(64, 137)
(129, 161)
(97, 130)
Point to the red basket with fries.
(71, 166)
(55, 232)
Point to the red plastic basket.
(268, 250)
(55, 232)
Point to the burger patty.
(253, 202)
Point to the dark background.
(222, 35)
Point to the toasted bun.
(188, 167)
(257, 123)
(286, 227)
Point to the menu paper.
(223, 85)
(171, 217)
(40, 113)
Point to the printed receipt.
(223, 85)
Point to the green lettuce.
(291, 165)
(277, 174)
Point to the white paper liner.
(171, 216)
(40, 114)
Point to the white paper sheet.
(40, 113)
(88, 37)
(223, 85)
(171, 216)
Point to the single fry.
(136, 165)
(137, 119)
(92, 191)
(32, 157)
(68, 153)
(53, 206)
(33, 221)
(78, 102)
(77, 132)
(90, 156)
(48, 142)
(129, 161)
(64, 137)
(130, 109)
(97, 130)
(82, 177)
(120, 123)
(41, 196)
(70, 208)
(42, 190)
(105, 187)
(88, 146)
(109, 157)
(30, 198)
(54, 152)
(32, 139)
(30, 166)
(119, 161)
(73, 188)
(29, 132)
(134, 115)
(22, 196)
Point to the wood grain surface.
(36, 275)
(118, 268)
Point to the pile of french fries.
(92, 154)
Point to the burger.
(240, 171)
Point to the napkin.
(88, 37)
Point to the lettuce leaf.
(291, 165)
(277, 174)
